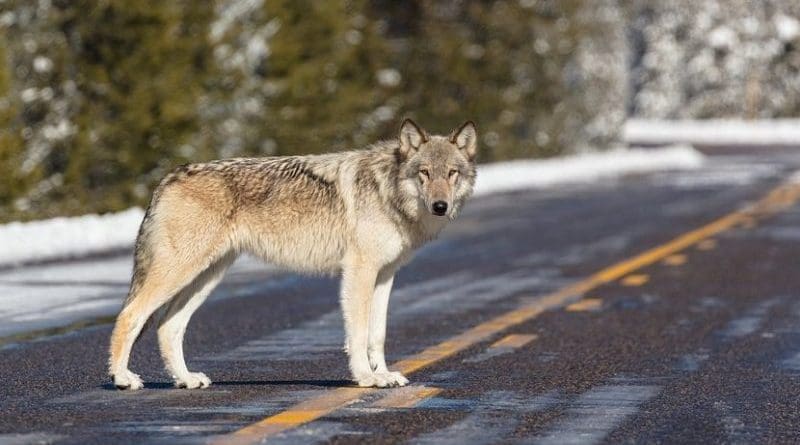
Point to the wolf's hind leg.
(186, 230)
(172, 327)
(161, 282)
(130, 322)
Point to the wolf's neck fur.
(377, 178)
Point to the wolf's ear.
(466, 139)
(412, 136)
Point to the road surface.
(654, 309)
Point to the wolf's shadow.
(319, 383)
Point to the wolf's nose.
(439, 208)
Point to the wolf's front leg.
(358, 285)
(377, 329)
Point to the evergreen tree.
(303, 79)
(513, 67)
(36, 115)
(11, 143)
(140, 67)
(98, 100)
(715, 59)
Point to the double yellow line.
(779, 199)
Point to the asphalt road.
(618, 312)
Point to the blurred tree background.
(100, 99)
(715, 59)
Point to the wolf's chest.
(388, 243)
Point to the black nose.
(439, 208)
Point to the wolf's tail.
(143, 249)
(142, 261)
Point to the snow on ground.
(43, 296)
(32, 297)
(585, 168)
(713, 132)
(68, 237)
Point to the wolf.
(359, 213)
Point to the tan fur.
(359, 213)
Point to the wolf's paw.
(393, 378)
(126, 380)
(382, 380)
(193, 380)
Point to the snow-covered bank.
(713, 132)
(585, 168)
(80, 236)
(68, 237)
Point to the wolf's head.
(441, 169)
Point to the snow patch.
(722, 38)
(585, 168)
(788, 27)
(228, 13)
(713, 132)
(68, 237)
(50, 295)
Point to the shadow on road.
(320, 383)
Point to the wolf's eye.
(424, 172)
(452, 173)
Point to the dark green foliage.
(11, 143)
(126, 77)
(321, 78)
(138, 87)
(498, 63)
(141, 67)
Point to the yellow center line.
(587, 304)
(406, 397)
(749, 223)
(299, 414)
(708, 244)
(514, 341)
(636, 279)
(777, 200)
(678, 259)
